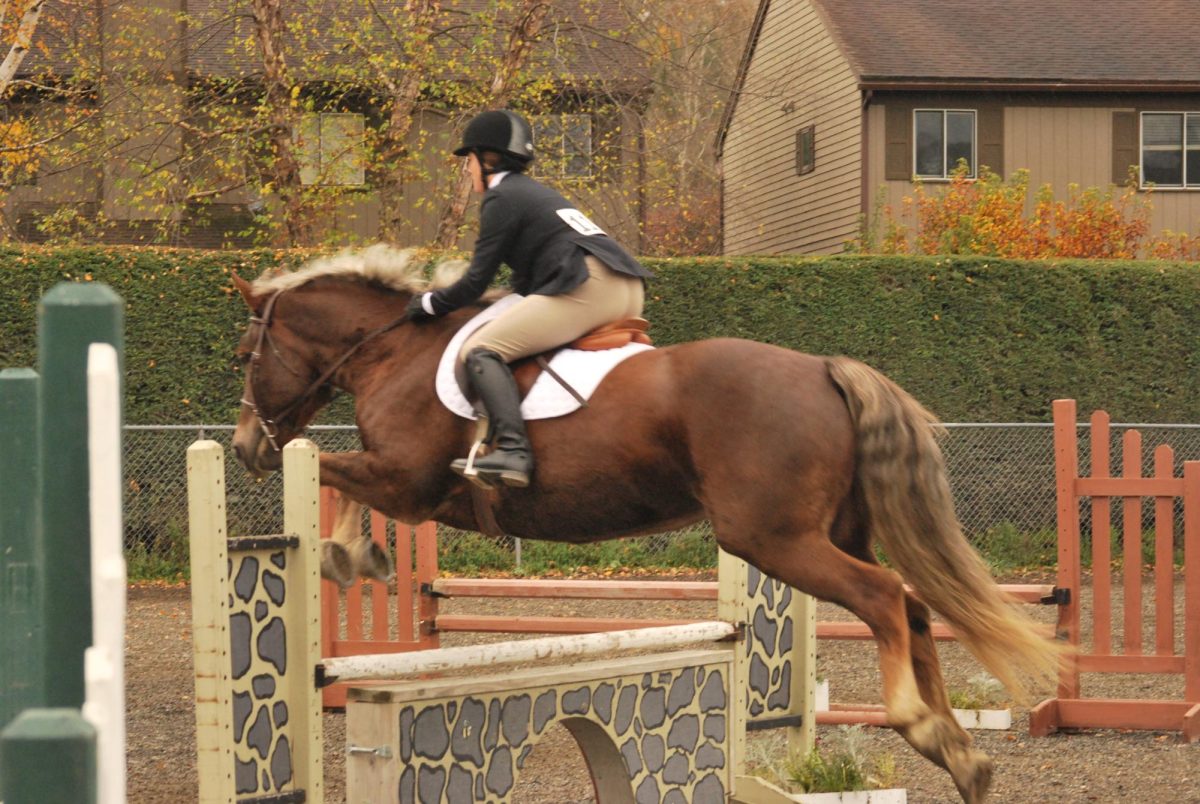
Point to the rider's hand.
(416, 309)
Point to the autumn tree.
(284, 116)
(522, 37)
(692, 54)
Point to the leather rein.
(269, 426)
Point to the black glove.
(416, 310)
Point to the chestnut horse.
(798, 461)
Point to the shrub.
(987, 215)
(974, 338)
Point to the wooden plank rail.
(581, 589)
(639, 590)
(498, 624)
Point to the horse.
(800, 463)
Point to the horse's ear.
(246, 290)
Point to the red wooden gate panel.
(367, 619)
(1070, 709)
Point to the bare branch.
(206, 194)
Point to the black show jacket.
(542, 238)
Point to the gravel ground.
(1096, 766)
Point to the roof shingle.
(1039, 41)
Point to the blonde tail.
(910, 511)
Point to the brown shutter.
(1124, 145)
(989, 127)
(897, 163)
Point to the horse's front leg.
(350, 552)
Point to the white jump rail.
(403, 665)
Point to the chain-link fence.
(1002, 477)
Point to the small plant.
(982, 692)
(839, 764)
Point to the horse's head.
(306, 325)
(282, 392)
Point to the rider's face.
(476, 171)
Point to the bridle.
(269, 426)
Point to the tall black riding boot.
(511, 459)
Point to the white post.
(302, 518)
(104, 662)
(210, 622)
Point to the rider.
(573, 276)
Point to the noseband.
(269, 426)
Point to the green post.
(20, 581)
(70, 318)
(48, 756)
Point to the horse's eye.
(243, 358)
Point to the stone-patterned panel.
(769, 646)
(259, 660)
(668, 725)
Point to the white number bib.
(579, 222)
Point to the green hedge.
(975, 339)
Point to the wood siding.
(1060, 143)
(796, 77)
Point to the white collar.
(496, 178)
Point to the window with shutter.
(942, 138)
(1170, 149)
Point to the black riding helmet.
(501, 131)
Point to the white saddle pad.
(547, 398)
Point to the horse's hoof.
(372, 561)
(336, 564)
(973, 786)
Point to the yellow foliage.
(20, 153)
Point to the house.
(587, 124)
(840, 103)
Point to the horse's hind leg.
(970, 769)
(915, 700)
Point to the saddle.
(609, 336)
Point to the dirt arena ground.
(1097, 766)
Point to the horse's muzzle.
(254, 453)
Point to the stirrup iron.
(470, 472)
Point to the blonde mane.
(397, 269)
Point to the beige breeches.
(537, 323)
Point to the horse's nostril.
(238, 453)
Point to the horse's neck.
(411, 349)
